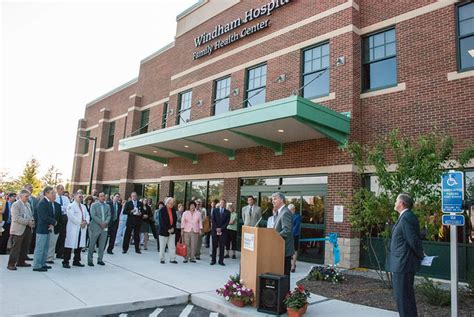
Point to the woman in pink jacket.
(191, 228)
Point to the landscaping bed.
(372, 292)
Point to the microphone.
(261, 217)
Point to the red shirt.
(170, 215)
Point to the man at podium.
(284, 226)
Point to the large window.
(144, 120)
(379, 60)
(315, 75)
(164, 118)
(111, 135)
(184, 109)
(466, 36)
(204, 190)
(85, 148)
(110, 189)
(256, 85)
(221, 96)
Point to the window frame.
(313, 72)
(85, 145)
(144, 127)
(458, 39)
(164, 115)
(214, 94)
(111, 135)
(247, 71)
(363, 73)
(180, 99)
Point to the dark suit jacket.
(114, 213)
(165, 221)
(6, 213)
(132, 220)
(147, 211)
(45, 216)
(406, 251)
(219, 221)
(58, 216)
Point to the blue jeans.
(41, 250)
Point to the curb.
(213, 303)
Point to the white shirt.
(271, 222)
(403, 212)
(65, 203)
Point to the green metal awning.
(270, 125)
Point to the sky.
(58, 56)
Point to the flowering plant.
(328, 273)
(235, 290)
(296, 299)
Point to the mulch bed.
(371, 292)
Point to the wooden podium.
(262, 251)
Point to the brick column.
(77, 162)
(231, 190)
(165, 190)
(102, 131)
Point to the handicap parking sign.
(452, 191)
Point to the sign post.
(452, 195)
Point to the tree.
(50, 178)
(29, 176)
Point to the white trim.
(460, 75)
(105, 150)
(88, 128)
(81, 155)
(399, 87)
(270, 36)
(298, 46)
(158, 52)
(146, 180)
(103, 109)
(155, 103)
(191, 9)
(133, 96)
(113, 91)
(355, 5)
(133, 108)
(114, 118)
(331, 96)
(408, 15)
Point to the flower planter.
(237, 302)
(297, 313)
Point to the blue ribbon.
(332, 238)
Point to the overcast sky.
(58, 56)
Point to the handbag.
(181, 248)
(206, 225)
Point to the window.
(304, 180)
(221, 96)
(111, 135)
(315, 75)
(184, 111)
(256, 85)
(85, 149)
(379, 61)
(164, 118)
(151, 191)
(110, 189)
(466, 36)
(260, 181)
(144, 120)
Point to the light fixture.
(341, 60)
(281, 130)
(235, 92)
(155, 151)
(186, 146)
(281, 78)
(471, 52)
(226, 140)
(199, 103)
(165, 165)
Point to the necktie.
(250, 211)
(115, 211)
(103, 215)
(60, 200)
(222, 211)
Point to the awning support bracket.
(276, 147)
(191, 156)
(159, 159)
(230, 153)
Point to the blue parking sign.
(452, 191)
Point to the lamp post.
(93, 139)
(56, 178)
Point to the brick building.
(258, 96)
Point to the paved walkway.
(132, 281)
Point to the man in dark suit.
(33, 203)
(133, 209)
(7, 218)
(406, 253)
(220, 221)
(45, 223)
(168, 219)
(283, 224)
(115, 208)
(55, 235)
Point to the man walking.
(406, 253)
(133, 209)
(63, 201)
(115, 208)
(251, 213)
(220, 221)
(100, 218)
(45, 223)
(284, 226)
(20, 231)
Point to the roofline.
(191, 9)
(158, 52)
(113, 91)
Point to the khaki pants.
(170, 242)
(20, 246)
(53, 239)
(191, 241)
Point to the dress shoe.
(59, 257)
(174, 262)
(233, 257)
(124, 252)
(47, 267)
(186, 261)
(90, 264)
(41, 269)
(198, 258)
(213, 263)
(192, 261)
(50, 262)
(12, 268)
(162, 262)
(110, 252)
(28, 259)
(23, 264)
(139, 252)
(66, 266)
(221, 263)
(79, 264)
(100, 262)
(226, 256)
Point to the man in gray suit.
(406, 253)
(284, 226)
(251, 213)
(100, 217)
(33, 204)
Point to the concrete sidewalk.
(132, 281)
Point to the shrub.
(434, 294)
(297, 298)
(327, 273)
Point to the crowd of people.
(59, 225)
